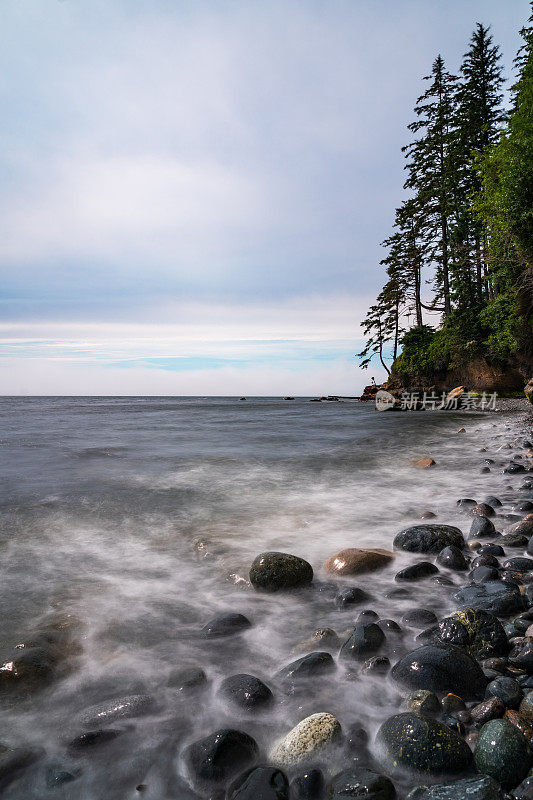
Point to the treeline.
(462, 240)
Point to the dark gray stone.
(226, 625)
(217, 758)
(260, 783)
(364, 641)
(416, 572)
(496, 597)
(441, 668)
(507, 689)
(246, 691)
(452, 558)
(274, 572)
(361, 783)
(320, 663)
(133, 705)
(503, 753)
(481, 787)
(428, 538)
(481, 528)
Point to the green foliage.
(501, 323)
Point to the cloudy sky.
(192, 194)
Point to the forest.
(459, 260)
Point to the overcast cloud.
(193, 194)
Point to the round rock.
(355, 561)
(503, 753)
(441, 668)
(246, 691)
(274, 572)
(307, 739)
(428, 538)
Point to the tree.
(431, 174)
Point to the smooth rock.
(480, 787)
(503, 753)
(507, 689)
(441, 668)
(491, 708)
(307, 739)
(308, 786)
(496, 597)
(355, 561)
(481, 528)
(482, 510)
(226, 625)
(364, 641)
(91, 739)
(422, 744)
(134, 705)
(419, 618)
(352, 596)
(260, 783)
(361, 783)
(311, 665)
(187, 679)
(416, 572)
(219, 757)
(274, 572)
(518, 564)
(246, 691)
(428, 538)
(452, 558)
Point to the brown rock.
(354, 561)
(519, 722)
(528, 390)
(423, 463)
(492, 708)
(455, 393)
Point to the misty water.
(133, 521)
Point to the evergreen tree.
(431, 173)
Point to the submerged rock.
(312, 735)
(441, 668)
(364, 641)
(219, 757)
(480, 787)
(226, 625)
(503, 753)
(354, 561)
(422, 744)
(308, 666)
(362, 783)
(273, 572)
(13, 762)
(482, 528)
(187, 679)
(452, 558)
(416, 572)
(260, 783)
(428, 538)
(246, 691)
(351, 597)
(133, 705)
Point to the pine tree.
(478, 123)
(431, 174)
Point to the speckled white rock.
(307, 738)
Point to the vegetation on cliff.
(462, 245)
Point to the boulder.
(217, 758)
(246, 691)
(306, 740)
(260, 783)
(364, 641)
(421, 744)
(355, 561)
(480, 787)
(441, 668)
(496, 597)
(274, 572)
(503, 753)
(428, 538)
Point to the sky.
(192, 194)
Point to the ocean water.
(136, 520)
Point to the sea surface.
(137, 518)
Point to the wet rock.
(496, 597)
(441, 668)
(13, 762)
(525, 790)
(523, 507)
(367, 616)
(452, 558)
(311, 665)
(423, 702)
(389, 626)
(481, 528)
(351, 597)
(217, 758)
(516, 540)
(273, 572)
(482, 510)
(362, 783)
(514, 469)
(526, 707)
(321, 639)
(308, 786)
(522, 657)
(480, 787)
(495, 502)
(355, 561)
(133, 705)
(307, 739)
(187, 679)
(226, 625)
(518, 564)
(466, 503)
(28, 670)
(260, 783)
(485, 560)
(419, 618)
(491, 708)
(519, 722)
(364, 641)
(376, 664)
(91, 739)
(522, 528)
(491, 550)
(442, 580)
(422, 744)
(507, 689)
(503, 753)
(416, 572)
(246, 691)
(451, 703)
(56, 776)
(423, 463)
(428, 538)
(484, 574)
(397, 592)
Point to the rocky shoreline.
(436, 628)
